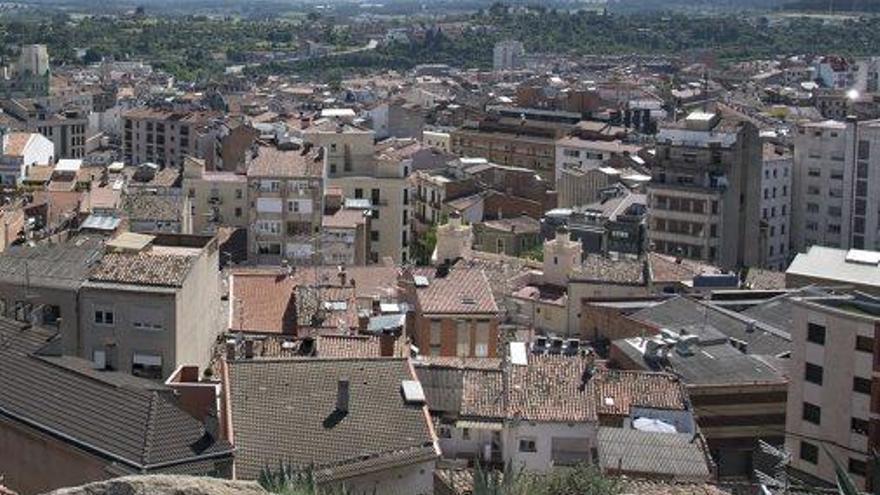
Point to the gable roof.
(284, 411)
(133, 422)
(459, 291)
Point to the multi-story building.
(29, 75)
(346, 234)
(704, 199)
(67, 129)
(151, 304)
(219, 199)
(285, 194)
(575, 153)
(836, 200)
(833, 408)
(508, 55)
(512, 142)
(352, 166)
(164, 137)
(776, 205)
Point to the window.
(99, 358)
(147, 366)
(462, 339)
(815, 333)
(238, 212)
(813, 373)
(864, 344)
(103, 317)
(858, 425)
(857, 467)
(812, 413)
(465, 434)
(271, 248)
(481, 346)
(527, 445)
(809, 452)
(374, 235)
(861, 385)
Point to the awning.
(479, 425)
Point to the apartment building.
(704, 199)
(833, 398)
(165, 137)
(573, 152)
(285, 194)
(218, 199)
(776, 193)
(507, 141)
(151, 304)
(345, 234)
(67, 129)
(836, 200)
(353, 167)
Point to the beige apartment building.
(352, 166)
(833, 397)
(286, 205)
(66, 129)
(151, 304)
(704, 199)
(165, 137)
(219, 199)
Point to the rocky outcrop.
(164, 485)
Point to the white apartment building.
(351, 165)
(830, 390)
(776, 205)
(836, 185)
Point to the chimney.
(249, 349)
(230, 351)
(342, 395)
(386, 345)
(342, 276)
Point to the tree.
(289, 481)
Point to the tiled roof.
(130, 421)
(669, 269)
(551, 388)
(62, 266)
(627, 389)
(152, 207)
(16, 142)
(675, 455)
(262, 302)
(285, 411)
(760, 279)
(347, 346)
(598, 268)
(460, 291)
(143, 268)
(272, 162)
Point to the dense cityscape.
(623, 247)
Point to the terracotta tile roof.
(40, 174)
(272, 162)
(627, 389)
(347, 346)
(760, 279)
(345, 219)
(598, 268)
(552, 388)
(262, 302)
(16, 142)
(143, 268)
(666, 269)
(284, 411)
(460, 291)
(152, 207)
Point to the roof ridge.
(149, 430)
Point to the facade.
(164, 137)
(776, 193)
(833, 395)
(286, 206)
(219, 199)
(508, 55)
(577, 153)
(29, 75)
(67, 129)
(152, 305)
(346, 236)
(836, 199)
(352, 167)
(510, 236)
(21, 151)
(704, 196)
(530, 145)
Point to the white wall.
(543, 434)
(417, 479)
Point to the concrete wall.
(543, 435)
(417, 479)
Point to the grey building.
(704, 198)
